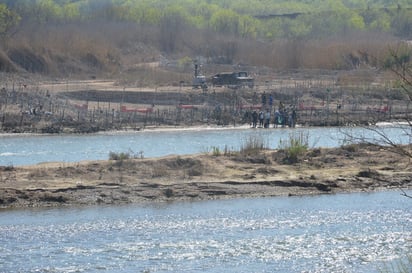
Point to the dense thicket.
(267, 19)
(274, 33)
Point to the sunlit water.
(334, 233)
(16, 150)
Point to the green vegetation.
(216, 151)
(85, 37)
(8, 20)
(264, 19)
(295, 147)
(250, 146)
(119, 156)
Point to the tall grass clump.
(216, 151)
(294, 147)
(119, 159)
(253, 145)
(119, 156)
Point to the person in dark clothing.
(277, 119)
(254, 119)
(267, 118)
(293, 117)
(261, 118)
(270, 101)
(263, 98)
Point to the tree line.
(263, 19)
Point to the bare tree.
(399, 62)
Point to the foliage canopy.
(266, 19)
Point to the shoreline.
(194, 128)
(57, 203)
(359, 168)
(158, 129)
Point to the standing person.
(271, 101)
(261, 117)
(267, 118)
(263, 99)
(285, 118)
(254, 118)
(293, 117)
(282, 117)
(277, 119)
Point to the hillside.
(94, 38)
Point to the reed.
(295, 146)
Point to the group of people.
(279, 118)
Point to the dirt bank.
(203, 176)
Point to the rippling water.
(334, 233)
(25, 150)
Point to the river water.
(329, 233)
(17, 150)
(359, 233)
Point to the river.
(359, 232)
(17, 150)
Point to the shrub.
(195, 171)
(119, 156)
(7, 168)
(351, 148)
(159, 172)
(295, 147)
(368, 173)
(168, 192)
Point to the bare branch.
(383, 140)
(405, 194)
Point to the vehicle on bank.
(233, 80)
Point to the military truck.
(233, 80)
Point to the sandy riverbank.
(203, 176)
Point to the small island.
(214, 175)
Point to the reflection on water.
(334, 233)
(26, 150)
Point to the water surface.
(331, 233)
(16, 150)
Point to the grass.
(125, 155)
(119, 159)
(119, 156)
(253, 145)
(216, 151)
(294, 147)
